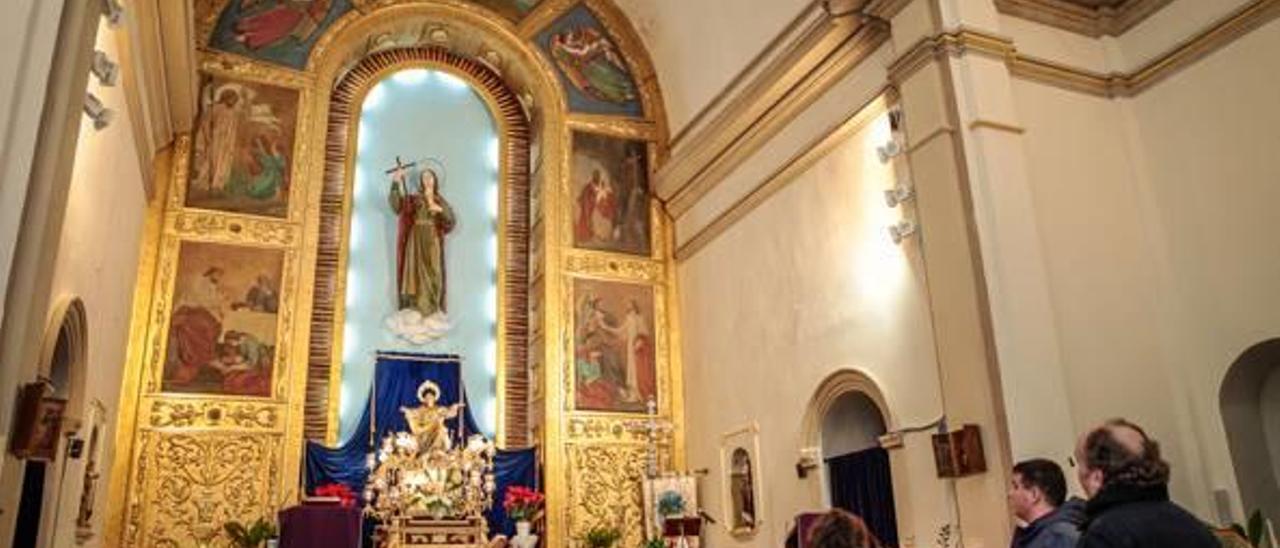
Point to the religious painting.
(243, 150)
(592, 69)
(740, 461)
(511, 9)
(613, 346)
(424, 218)
(276, 31)
(223, 329)
(93, 470)
(610, 179)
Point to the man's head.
(1037, 488)
(1119, 452)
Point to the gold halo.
(428, 385)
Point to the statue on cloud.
(424, 218)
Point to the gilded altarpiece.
(187, 462)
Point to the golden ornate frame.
(592, 461)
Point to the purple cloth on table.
(320, 527)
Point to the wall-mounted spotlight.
(901, 231)
(98, 112)
(899, 194)
(889, 150)
(113, 11)
(107, 71)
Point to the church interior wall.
(838, 294)
(97, 261)
(27, 39)
(1153, 260)
(679, 36)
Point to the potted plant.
(252, 536)
(523, 505)
(602, 537)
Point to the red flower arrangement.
(345, 497)
(522, 503)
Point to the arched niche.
(63, 364)
(1250, 404)
(847, 414)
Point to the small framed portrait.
(740, 465)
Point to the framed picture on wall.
(742, 487)
(38, 424)
(669, 496)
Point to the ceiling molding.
(1115, 84)
(157, 63)
(791, 169)
(1083, 17)
(809, 57)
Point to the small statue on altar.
(426, 422)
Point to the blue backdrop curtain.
(860, 483)
(396, 380)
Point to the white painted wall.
(1157, 221)
(28, 33)
(698, 47)
(852, 424)
(1271, 417)
(805, 285)
(98, 262)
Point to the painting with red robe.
(614, 368)
(242, 150)
(276, 31)
(222, 330)
(610, 179)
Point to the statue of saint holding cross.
(424, 220)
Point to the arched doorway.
(62, 372)
(1250, 402)
(845, 421)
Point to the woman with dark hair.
(840, 529)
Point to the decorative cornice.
(1093, 22)
(784, 175)
(1115, 84)
(780, 92)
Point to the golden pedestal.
(427, 532)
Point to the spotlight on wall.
(106, 70)
(901, 231)
(98, 112)
(889, 150)
(113, 11)
(899, 194)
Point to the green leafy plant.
(1254, 530)
(670, 504)
(252, 536)
(603, 537)
(654, 543)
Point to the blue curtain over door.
(860, 483)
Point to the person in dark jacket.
(1128, 486)
(1037, 494)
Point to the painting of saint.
(613, 346)
(243, 148)
(222, 330)
(611, 194)
(742, 491)
(278, 31)
(596, 75)
(511, 9)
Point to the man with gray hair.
(1120, 469)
